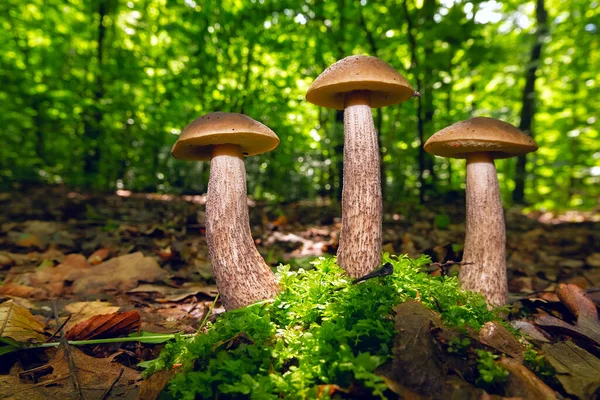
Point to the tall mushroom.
(241, 274)
(356, 84)
(480, 141)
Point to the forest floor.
(142, 259)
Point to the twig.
(59, 329)
(208, 313)
(444, 267)
(107, 391)
(68, 354)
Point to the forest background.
(94, 92)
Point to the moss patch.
(320, 330)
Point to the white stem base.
(359, 251)
(485, 241)
(242, 276)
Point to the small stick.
(68, 354)
(446, 266)
(107, 391)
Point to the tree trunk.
(93, 119)
(528, 109)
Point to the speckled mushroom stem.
(359, 251)
(242, 276)
(485, 242)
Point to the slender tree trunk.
(528, 109)
(424, 106)
(93, 120)
(379, 116)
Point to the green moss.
(490, 373)
(321, 329)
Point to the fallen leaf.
(577, 370)
(119, 273)
(53, 380)
(152, 387)
(28, 240)
(495, 335)
(24, 291)
(593, 260)
(417, 364)
(523, 383)
(5, 260)
(52, 280)
(98, 256)
(107, 325)
(582, 307)
(18, 323)
(82, 310)
(530, 331)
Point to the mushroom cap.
(359, 73)
(198, 138)
(477, 135)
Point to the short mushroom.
(480, 141)
(241, 274)
(356, 84)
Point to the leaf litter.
(147, 254)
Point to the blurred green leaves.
(166, 62)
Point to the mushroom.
(480, 141)
(241, 274)
(356, 84)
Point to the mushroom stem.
(485, 242)
(241, 274)
(359, 251)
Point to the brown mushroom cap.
(478, 135)
(198, 138)
(359, 73)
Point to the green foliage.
(537, 363)
(458, 345)
(442, 221)
(489, 371)
(94, 93)
(320, 329)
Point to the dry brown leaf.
(18, 323)
(52, 381)
(16, 290)
(82, 310)
(577, 301)
(52, 280)
(495, 335)
(98, 256)
(577, 370)
(119, 273)
(108, 325)
(524, 383)
(151, 388)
